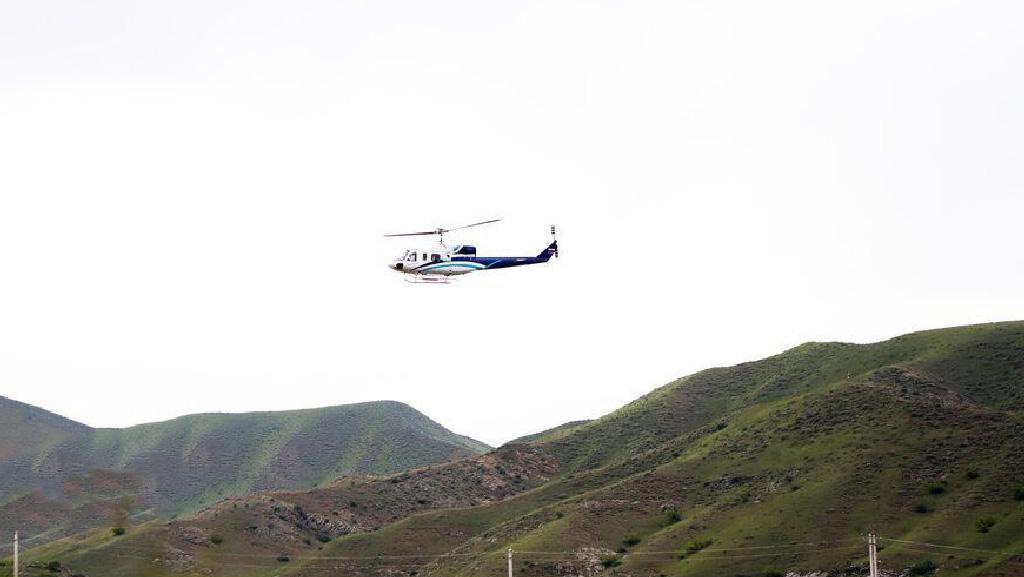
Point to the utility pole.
(873, 554)
(15, 554)
(509, 562)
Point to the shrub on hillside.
(284, 558)
(972, 474)
(672, 516)
(1018, 493)
(631, 540)
(771, 573)
(117, 531)
(936, 488)
(922, 569)
(922, 508)
(694, 545)
(53, 567)
(609, 561)
(216, 539)
(984, 524)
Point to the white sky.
(192, 196)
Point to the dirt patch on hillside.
(294, 522)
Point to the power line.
(274, 556)
(694, 557)
(425, 559)
(724, 550)
(314, 562)
(923, 544)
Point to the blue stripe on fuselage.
(499, 261)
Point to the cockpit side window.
(412, 256)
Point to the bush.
(926, 567)
(972, 474)
(53, 567)
(696, 544)
(922, 508)
(1018, 493)
(984, 524)
(609, 561)
(323, 538)
(631, 540)
(773, 574)
(216, 539)
(936, 488)
(284, 558)
(672, 517)
(117, 531)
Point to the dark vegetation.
(985, 524)
(922, 568)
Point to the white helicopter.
(440, 263)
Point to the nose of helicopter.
(395, 266)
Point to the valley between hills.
(762, 469)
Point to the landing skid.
(432, 279)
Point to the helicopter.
(440, 263)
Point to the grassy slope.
(550, 434)
(819, 444)
(178, 466)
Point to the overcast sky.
(193, 196)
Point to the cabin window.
(435, 258)
(424, 257)
(412, 257)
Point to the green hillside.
(57, 475)
(755, 470)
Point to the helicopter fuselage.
(444, 262)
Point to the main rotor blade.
(442, 230)
(413, 233)
(474, 224)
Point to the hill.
(774, 466)
(58, 476)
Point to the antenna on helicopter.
(554, 240)
(440, 231)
